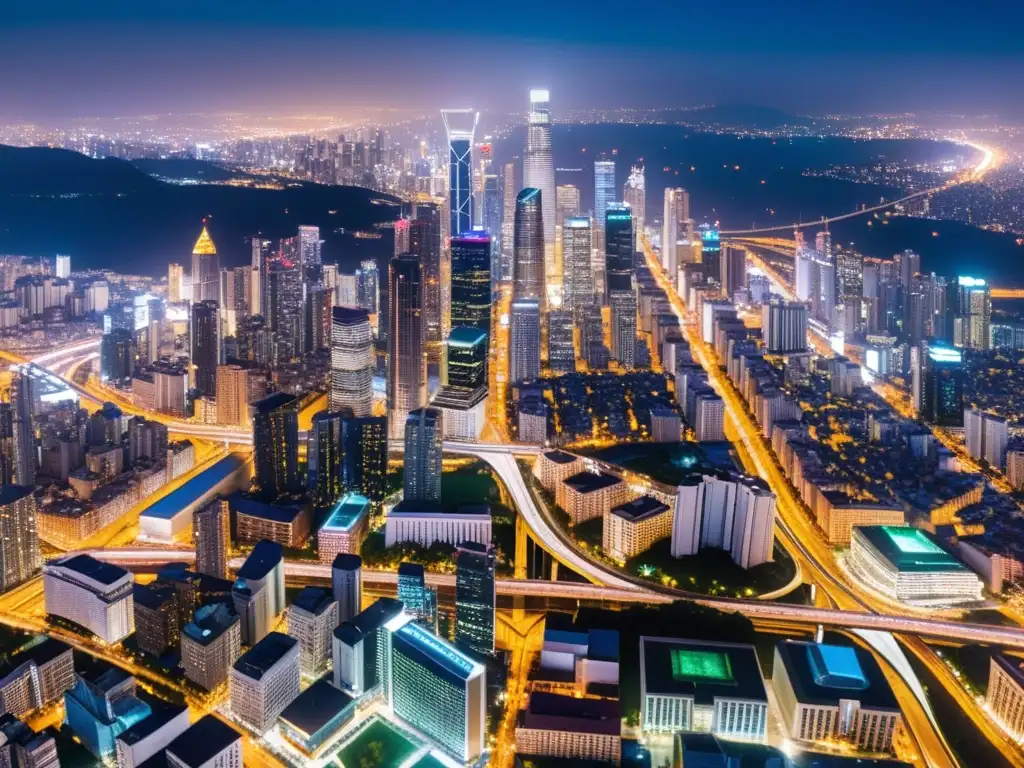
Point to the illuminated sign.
(971, 282)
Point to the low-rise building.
(312, 618)
(36, 676)
(314, 721)
(633, 527)
(553, 725)
(345, 528)
(1005, 694)
(587, 495)
(827, 693)
(93, 594)
(704, 687)
(289, 525)
(210, 644)
(415, 522)
(156, 617)
(998, 560)
(208, 743)
(552, 467)
(147, 737)
(838, 514)
(906, 565)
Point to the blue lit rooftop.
(466, 336)
(346, 512)
(836, 666)
(440, 651)
(194, 489)
(945, 355)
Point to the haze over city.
(520, 386)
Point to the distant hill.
(200, 170)
(111, 214)
(745, 116)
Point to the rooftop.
(203, 741)
(366, 622)
(314, 600)
(346, 512)
(443, 653)
(11, 493)
(242, 503)
(588, 482)
(259, 659)
(466, 336)
(274, 401)
(555, 712)
(349, 315)
(673, 667)
(204, 245)
(823, 674)
(209, 623)
(152, 596)
(90, 567)
(41, 653)
(316, 707)
(160, 716)
(187, 494)
(640, 508)
(263, 558)
(560, 457)
(347, 562)
(908, 549)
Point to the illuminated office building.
(101, 706)
(673, 227)
(529, 246)
(264, 681)
(210, 644)
(312, 619)
(20, 557)
(561, 347)
(474, 597)
(539, 167)
(508, 218)
(175, 283)
(364, 462)
(619, 269)
(733, 266)
(352, 361)
(524, 352)
(467, 358)
(576, 255)
(347, 585)
(212, 534)
(205, 269)
(345, 527)
(258, 592)
(471, 280)
(567, 203)
(92, 594)
(460, 125)
(941, 383)
(784, 326)
(604, 190)
(634, 194)
(425, 242)
(970, 308)
(423, 441)
(368, 286)
(407, 360)
(204, 333)
(117, 355)
(324, 452)
(438, 690)
(275, 433)
(362, 648)
(284, 305)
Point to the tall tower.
(275, 439)
(205, 269)
(212, 526)
(508, 222)
(204, 332)
(423, 442)
(524, 354)
(407, 359)
(579, 277)
(604, 190)
(539, 168)
(634, 194)
(471, 280)
(460, 125)
(677, 211)
(474, 598)
(310, 257)
(619, 269)
(20, 557)
(425, 242)
(175, 283)
(529, 245)
(352, 361)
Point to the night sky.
(68, 58)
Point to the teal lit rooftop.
(346, 512)
(944, 355)
(466, 336)
(442, 652)
(836, 666)
(908, 549)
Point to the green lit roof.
(908, 549)
(700, 665)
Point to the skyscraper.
(784, 326)
(942, 387)
(117, 355)
(579, 275)
(561, 348)
(310, 257)
(849, 274)
(604, 190)
(205, 269)
(539, 165)
(474, 598)
(407, 360)
(471, 280)
(275, 439)
(324, 451)
(466, 351)
(364, 452)
(460, 124)
(284, 308)
(634, 194)
(973, 313)
(733, 269)
(676, 213)
(508, 222)
(423, 441)
(368, 286)
(212, 526)
(175, 283)
(524, 352)
(529, 246)
(62, 266)
(347, 585)
(425, 242)
(20, 557)
(711, 251)
(567, 203)
(352, 361)
(204, 334)
(232, 396)
(619, 258)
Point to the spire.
(204, 245)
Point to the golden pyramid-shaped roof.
(204, 245)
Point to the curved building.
(352, 360)
(407, 361)
(528, 250)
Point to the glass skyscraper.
(425, 242)
(352, 360)
(407, 360)
(524, 352)
(471, 280)
(474, 598)
(579, 275)
(538, 163)
(604, 190)
(460, 167)
(364, 456)
(275, 440)
(942, 401)
(528, 252)
(467, 358)
(323, 458)
(619, 258)
(204, 333)
(423, 440)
